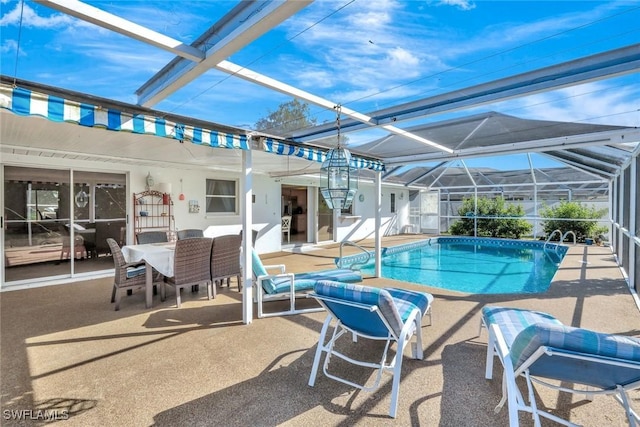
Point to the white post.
(633, 224)
(246, 183)
(621, 224)
(378, 243)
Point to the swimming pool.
(473, 265)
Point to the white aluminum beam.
(112, 22)
(542, 145)
(242, 25)
(608, 64)
(245, 23)
(270, 83)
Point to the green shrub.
(494, 226)
(578, 220)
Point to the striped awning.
(25, 102)
(271, 145)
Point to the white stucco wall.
(266, 207)
(361, 225)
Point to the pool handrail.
(358, 264)
(557, 230)
(566, 234)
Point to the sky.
(363, 54)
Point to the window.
(393, 202)
(221, 196)
(110, 201)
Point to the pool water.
(474, 265)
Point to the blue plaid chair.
(280, 285)
(389, 314)
(540, 348)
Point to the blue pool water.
(473, 265)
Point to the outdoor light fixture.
(339, 180)
(150, 181)
(81, 199)
(338, 177)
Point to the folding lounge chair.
(540, 348)
(282, 285)
(389, 314)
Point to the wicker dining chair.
(190, 233)
(128, 276)
(152, 237)
(191, 266)
(225, 260)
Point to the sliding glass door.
(56, 221)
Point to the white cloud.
(10, 46)
(30, 19)
(460, 4)
(399, 57)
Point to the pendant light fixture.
(338, 177)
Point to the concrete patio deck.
(65, 348)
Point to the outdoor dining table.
(155, 255)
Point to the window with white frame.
(221, 196)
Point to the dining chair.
(254, 236)
(151, 237)
(190, 233)
(286, 227)
(128, 276)
(191, 266)
(225, 259)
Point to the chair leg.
(396, 384)
(321, 347)
(178, 289)
(117, 299)
(113, 293)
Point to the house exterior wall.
(266, 206)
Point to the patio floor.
(64, 347)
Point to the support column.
(378, 243)
(621, 224)
(246, 208)
(633, 224)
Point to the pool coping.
(361, 258)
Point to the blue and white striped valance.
(28, 103)
(281, 148)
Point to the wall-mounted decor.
(194, 207)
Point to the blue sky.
(363, 54)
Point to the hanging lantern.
(338, 177)
(81, 199)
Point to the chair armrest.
(500, 344)
(260, 282)
(276, 276)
